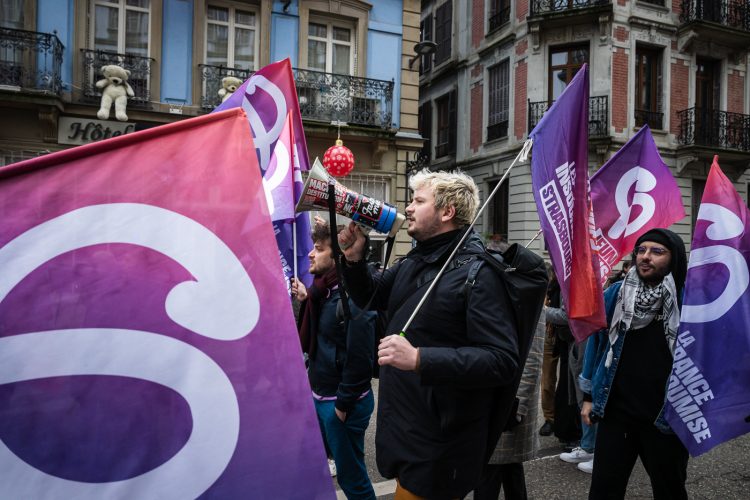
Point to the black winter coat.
(432, 426)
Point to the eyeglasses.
(658, 251)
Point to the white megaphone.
(376, 214)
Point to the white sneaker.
(332, 467)
(587, 467)
(577, 456)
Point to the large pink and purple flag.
(632, 193)
(267, 97)
(708, 393)
(147, 346)
(559, 174)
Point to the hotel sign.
(71, 130)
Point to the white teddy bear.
(228, 85)
(115, 88)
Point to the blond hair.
(455, 189)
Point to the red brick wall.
(621, 34)
(677, 7)
(522, 9)
(475, 139)
(521, 47)
(678, 93)
(622, 2)
(477, 22)
(620, 90)
(735, 93)
(519, 100)
(477, 70)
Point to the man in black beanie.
(626, 369)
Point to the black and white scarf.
(637, 306)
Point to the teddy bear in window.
(115, 89)
(228, 85)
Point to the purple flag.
(559, 173)
(279, 182)
(632, 193)
(709, 389)
(267, 96)
(147, 347)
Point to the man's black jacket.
(432, 426)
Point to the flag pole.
(532, 239)
(522, 155)
(294, 245)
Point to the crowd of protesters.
(441, 381)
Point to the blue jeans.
(346, 441)
(588, 436)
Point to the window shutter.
(426, 32)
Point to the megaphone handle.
(336, 249)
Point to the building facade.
(350, 60)
(680, 66)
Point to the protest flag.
(708, 394)
(147, 347)
(559, 174)
(279, 182)
(267, 96)
(632, 193)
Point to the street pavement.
(722, 473)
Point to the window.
(699, 185)
(11, 14)
(330, 48)
(121, 26)
(499, 100)
(499, 14)
(446, 125)
(443, 32)
(648, 85)
(564, 63)
(232, 37)
(425, 126)
(498, 212)
(425, 34)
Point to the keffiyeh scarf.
(637, 306)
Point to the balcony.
(30, 61)
(547, 7)
(598, 115)
(723, 21)
(211, 77)
(140, 75)
(714, 129)
(329, 97)
(653, 119)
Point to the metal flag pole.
(532, 239)
(522, 155)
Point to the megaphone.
(376, 214)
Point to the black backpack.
(525, 277)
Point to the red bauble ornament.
(338, 160)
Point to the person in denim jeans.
(626, 369)
(341, 355)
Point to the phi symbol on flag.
(202, 305)
(724, 225)
(263, 137)
(644, 182)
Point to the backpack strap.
(471, 278)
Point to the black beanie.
(678, 263)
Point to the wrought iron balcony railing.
(731, 13)
(211, 77)
(598, 115)
(653, 119)
(358, 101)
(139, 80)
(715, 129)
(30, 61)
(499, 18)
(541, 7)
